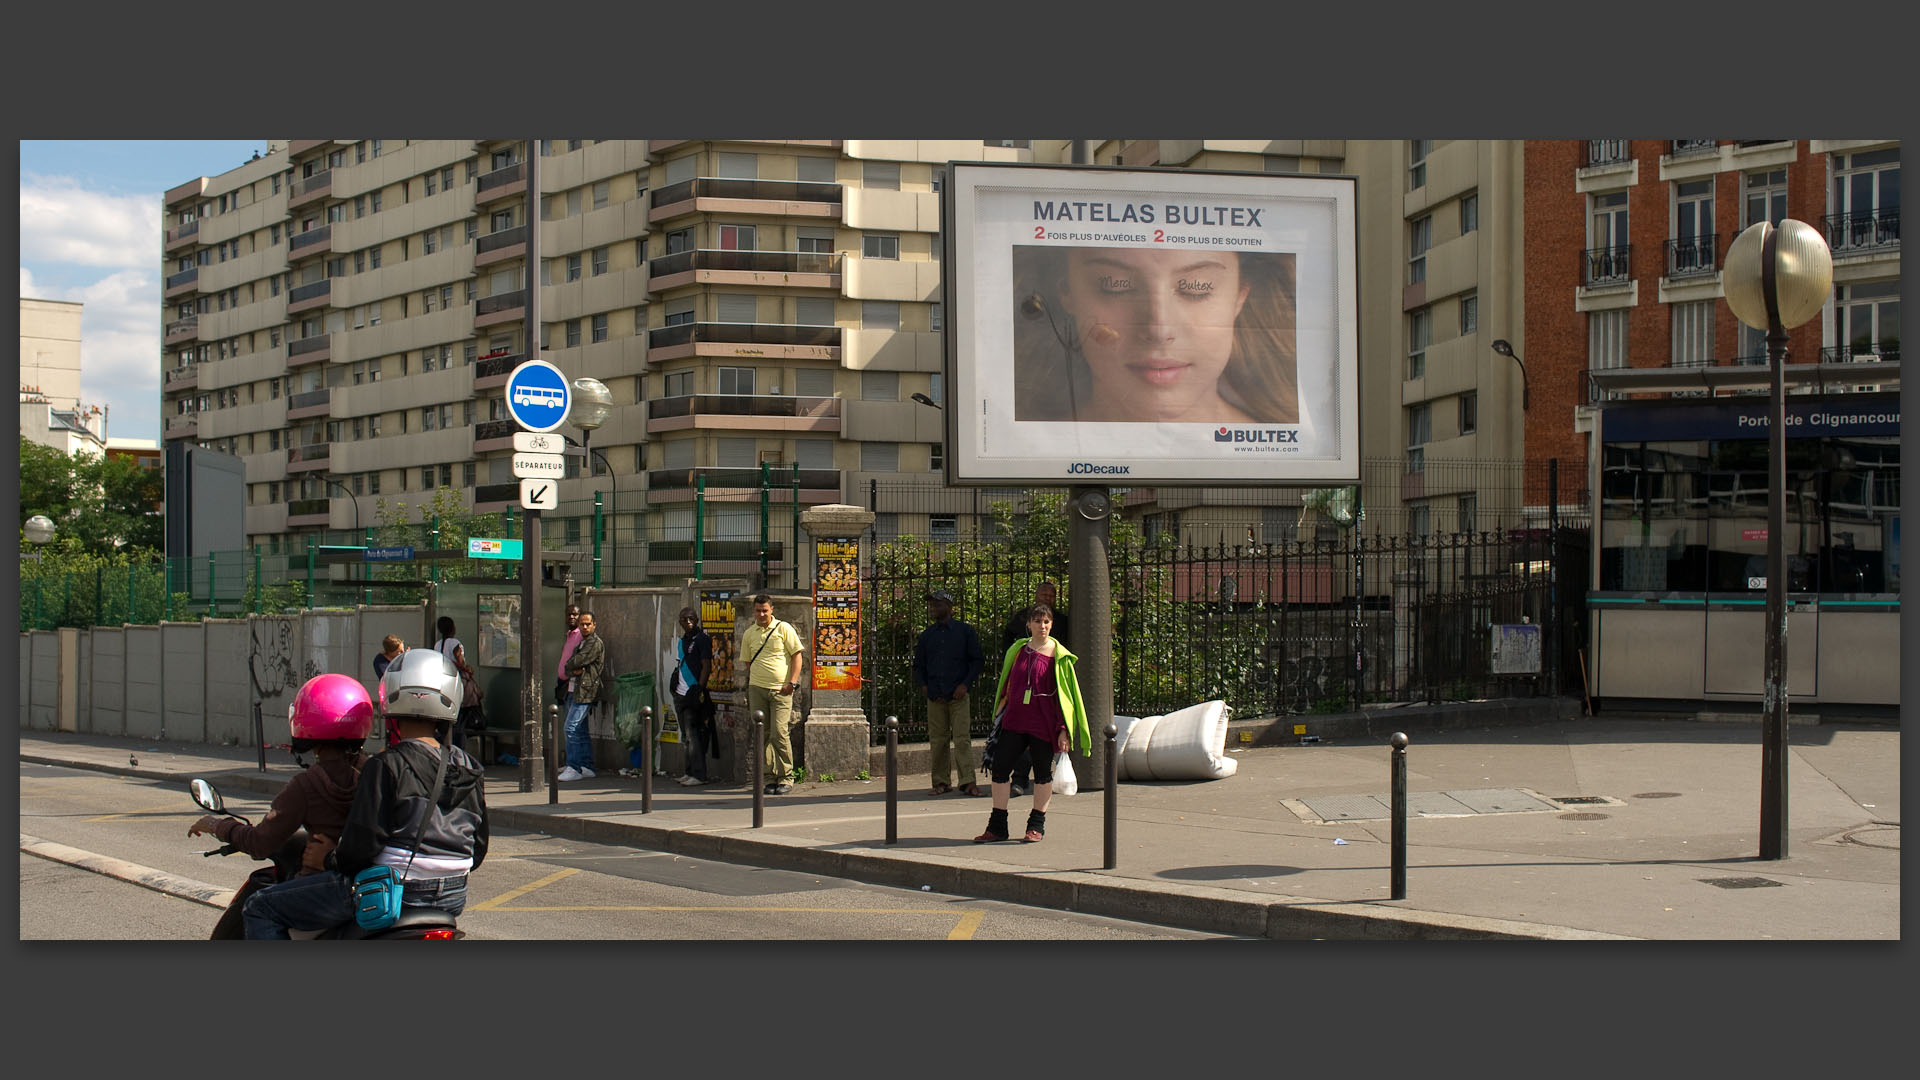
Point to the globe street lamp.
(1776, 279)
(39, 529)
(592, 404)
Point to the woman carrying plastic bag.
(1040, 710)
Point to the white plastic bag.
(1064, 782)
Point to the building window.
(1692, 245)
(1469, 315)
(735, 380)
(599, 328)
(573, 332)
(734, 237)
(432, 183)
(573, 203)
(879, 386)
(373, 483)
(429, 242)
(1417, 151)
(1867, 321)
(1419, 518)
(573, 267)
(373, 257)
(1766, 197)
(1607, 239)
(681, 240)
(1865, 202)
(1606, 340)
(880, 247)
(737, 307)
(601, 192)
(880, 314)
(879, 457)
(467, 474)
(426, 478)
(943, 527)
(935, 318)
(1419, 434)
(1692, 334)
(1419, 336)
(678, 384)
(1469, 213)
(1469, 412)
(1419, 239)
(1469, 513)
(679, 312)
(880, 175)
(373, 202)
(599, 261)
(936, 457)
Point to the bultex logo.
(1245, 435)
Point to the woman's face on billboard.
(1156, 329)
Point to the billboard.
(1165, 326)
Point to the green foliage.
(412, 525)
(102, 503)
(863, 775)
(71, 586)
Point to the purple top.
(1037, 713)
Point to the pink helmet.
(331, 707)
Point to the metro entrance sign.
(538, 396)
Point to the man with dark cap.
(1016, 629)
(946, 660)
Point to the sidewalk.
(1661, 844)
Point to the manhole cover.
(1580, 799)
(1657, 795)
(1741, 882)
(1580, 816)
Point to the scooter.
(414, 923)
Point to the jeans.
(579, 743)
(692, 735)
(324, 901)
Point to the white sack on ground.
(1189, 744)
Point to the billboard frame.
(1311, 219)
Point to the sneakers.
(1021, 788)
(779, 789)
(691, 780)
(568, 773)
(587, 774)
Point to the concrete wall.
(144, 681)
(41, 674)
(229, 698)
(108, 690)
(183, 689)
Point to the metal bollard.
(1397, 881)
(259, 733)
(1113, 799)
(646, 759)
(759, 767)
(553, 747)
(893, 780)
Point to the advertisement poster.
(1171, 326)
(499, 630)
(716, 618)
(836, 615)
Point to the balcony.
(742, 485)
(183, 427)
(500, 246)
(309, 512)
(311, 403)
(1880, 351)
(312, 242)
(655, 146)
(1597, 152)
(1605, 266)
(310, 189)
(777, 340)
(1690, 256)
(491, 187)
(1867, 233)
(1694, 147)
(743, 411)
(492, 371)
(314, 294)
(183, 378)
(181, 283)
(181, 236)
(787, 198)
(308, 457)
(182, 330)
(308, 350)
(296, 147)
(799, 269)
(493, 435)
(499, 308)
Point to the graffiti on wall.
(276, 671)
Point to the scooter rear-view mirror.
(207, 796)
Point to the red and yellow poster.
(836, 615)
(716, 618)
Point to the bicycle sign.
(538, 396)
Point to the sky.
(90, 232)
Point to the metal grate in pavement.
(1741, 882)
(1466, 803)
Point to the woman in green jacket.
(1039, 709)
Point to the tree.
(457, 523)
(102, 503)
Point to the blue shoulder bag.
(377, 890)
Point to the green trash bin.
(633, 691)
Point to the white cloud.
(62, 222)
(27, 288)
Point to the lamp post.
(1504, 349)
(1776, 279)
(592, 404)
(40, 530)
(367, 594)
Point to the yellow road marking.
(963, 930)
(515, 894)
(174, 806)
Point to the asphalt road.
(532, 886)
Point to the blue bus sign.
(538, 396)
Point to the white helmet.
(422, 683)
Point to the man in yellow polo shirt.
(773, 652)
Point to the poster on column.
(1170, 326)
(716, 618)
(836, 615)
